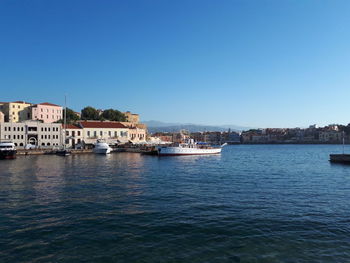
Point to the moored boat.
(102, 147)
(339, 158)
(7, 150)
(189, 147)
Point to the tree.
(113, 115)
(89, 113)
(72, 117)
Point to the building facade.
(47, 112)
(110, 132)
(73, 136)
(32, 133)
(16, 111)
(132, 117)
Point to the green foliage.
(72, 117)
(89, 113)
(113, 115)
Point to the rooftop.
(70, 126)
(20, 101)
(48, 104)
(101, 124)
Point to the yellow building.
(16, 111)
(132, 117)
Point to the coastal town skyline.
(254, 64)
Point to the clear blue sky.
(282, 63)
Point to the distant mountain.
(158, 126)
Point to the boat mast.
(65, 120)
(343, 142)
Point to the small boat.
(189, 147)
(63, 152)
(340, 157)
(7, 150)
(102, 148)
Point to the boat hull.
(173, 151)
(102, 150)
(339, 158)
(8, 154)
(63, 153)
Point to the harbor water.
(252, 203)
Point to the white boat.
(189, 148)
(7, 150)
(102, 147)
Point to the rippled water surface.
(266, 203)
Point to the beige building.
(16, 111)
(137, 132)
(110, 132)
(2, 117)
(132, 117)
(33, 133)
(74, 136)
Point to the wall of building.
(46, 112)
(32, 132)
(131, 117)
(110, 135)
(16, 111)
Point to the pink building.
(47, 112)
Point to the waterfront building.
(331, 136)
(74, 136)
(132, 117)
(34, 133)
(16, 111)
(47, 112)
(110, 132)
(137, 131)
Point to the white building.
(110, 132)
(35, 133)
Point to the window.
(101, 133)
(88, 133)
(78, 133)
(109, 133)
(95, 133)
